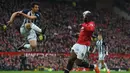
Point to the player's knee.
(33, 43)
(33, 46)
(28, 25)
(72, 58)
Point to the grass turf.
(55, 72)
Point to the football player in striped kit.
(29, 27)
(102, 52)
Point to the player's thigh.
(32, 38)
(28, 25)
(82, 53)
(101, 62)
(80, 50)
(22, 30)
(78, 61)
(33, 43)
(73, 56)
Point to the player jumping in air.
(102, 52)
(78, 51)
(29, 27)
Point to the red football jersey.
(86, 32)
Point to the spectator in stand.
(63, 26)
(56, 62)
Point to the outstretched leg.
(87, 65)
(71, 61)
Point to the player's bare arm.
(94, 50)
(27, 16)
(13, 17)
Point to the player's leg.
(71, 61)
(24, 32)
(105, 65)
(33, 44)
(32, 38)
(23, 46)
(82, 63)
(80, 56)
(100, 61)
(72, 58)
(103, 62)
(37, 29)
(32, 26)
(99, 64)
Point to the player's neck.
(32, 12)
(100, 39)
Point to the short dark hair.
(89, 17)
(33, 4)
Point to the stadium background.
(62, 18)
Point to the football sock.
(36, 28)
(27, 46)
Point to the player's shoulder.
(91, 23)
(88, 24)
(83, 24)
(38, 13)
(26, 11)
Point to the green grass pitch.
(55, 72)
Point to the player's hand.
(40, 37)
(9, 23)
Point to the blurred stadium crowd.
(63, 23)
(57, 62)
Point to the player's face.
(99, 37)
(35, 8)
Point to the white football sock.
(105, 66)
(36, 28)
(27, 46)
(99, 66)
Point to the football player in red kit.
(82, 46)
